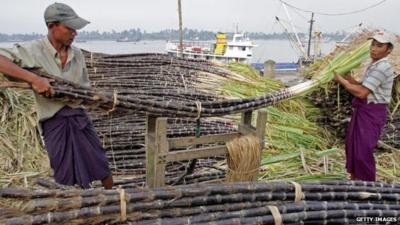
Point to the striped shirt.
(41, 53)
(378, 79)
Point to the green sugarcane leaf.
(327, 152)
(279, 158)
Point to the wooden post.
(150, 140)
(260, 126)
(156, 151)
(269, 68)
(180, 29)
(246, 117)
(162, 150)
(260, 132)
(245, 123)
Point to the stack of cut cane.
(330, 202)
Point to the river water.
(277, 50)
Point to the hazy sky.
(26, 16)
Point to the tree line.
(167, 34)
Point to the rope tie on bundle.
(243, 158)
(122, 198)
(115, 101)
(199, 108)
(298, 193)
(49, 218)
(183, 80)
(275, 214)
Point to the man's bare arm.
(357, 89)
(39, 84)
(351, 80)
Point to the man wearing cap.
(74, 149)
(371, 99)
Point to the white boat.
(239, 49)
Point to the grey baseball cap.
(59, 12)
(384, 37)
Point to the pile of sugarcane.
(333, 202)
(121, 131)
(124, 71)
(125, 148)
(128, 85)
(21, 151)
(163, 86)
(155, 76)
(122, 135)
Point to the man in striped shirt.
(371, 99)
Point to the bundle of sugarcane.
(336, 109)
(299, 150)
(122, 135)
(333, 100)
(204, 173)
(123, 138)
(235, 203)
(156, 103)
(148, 61)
